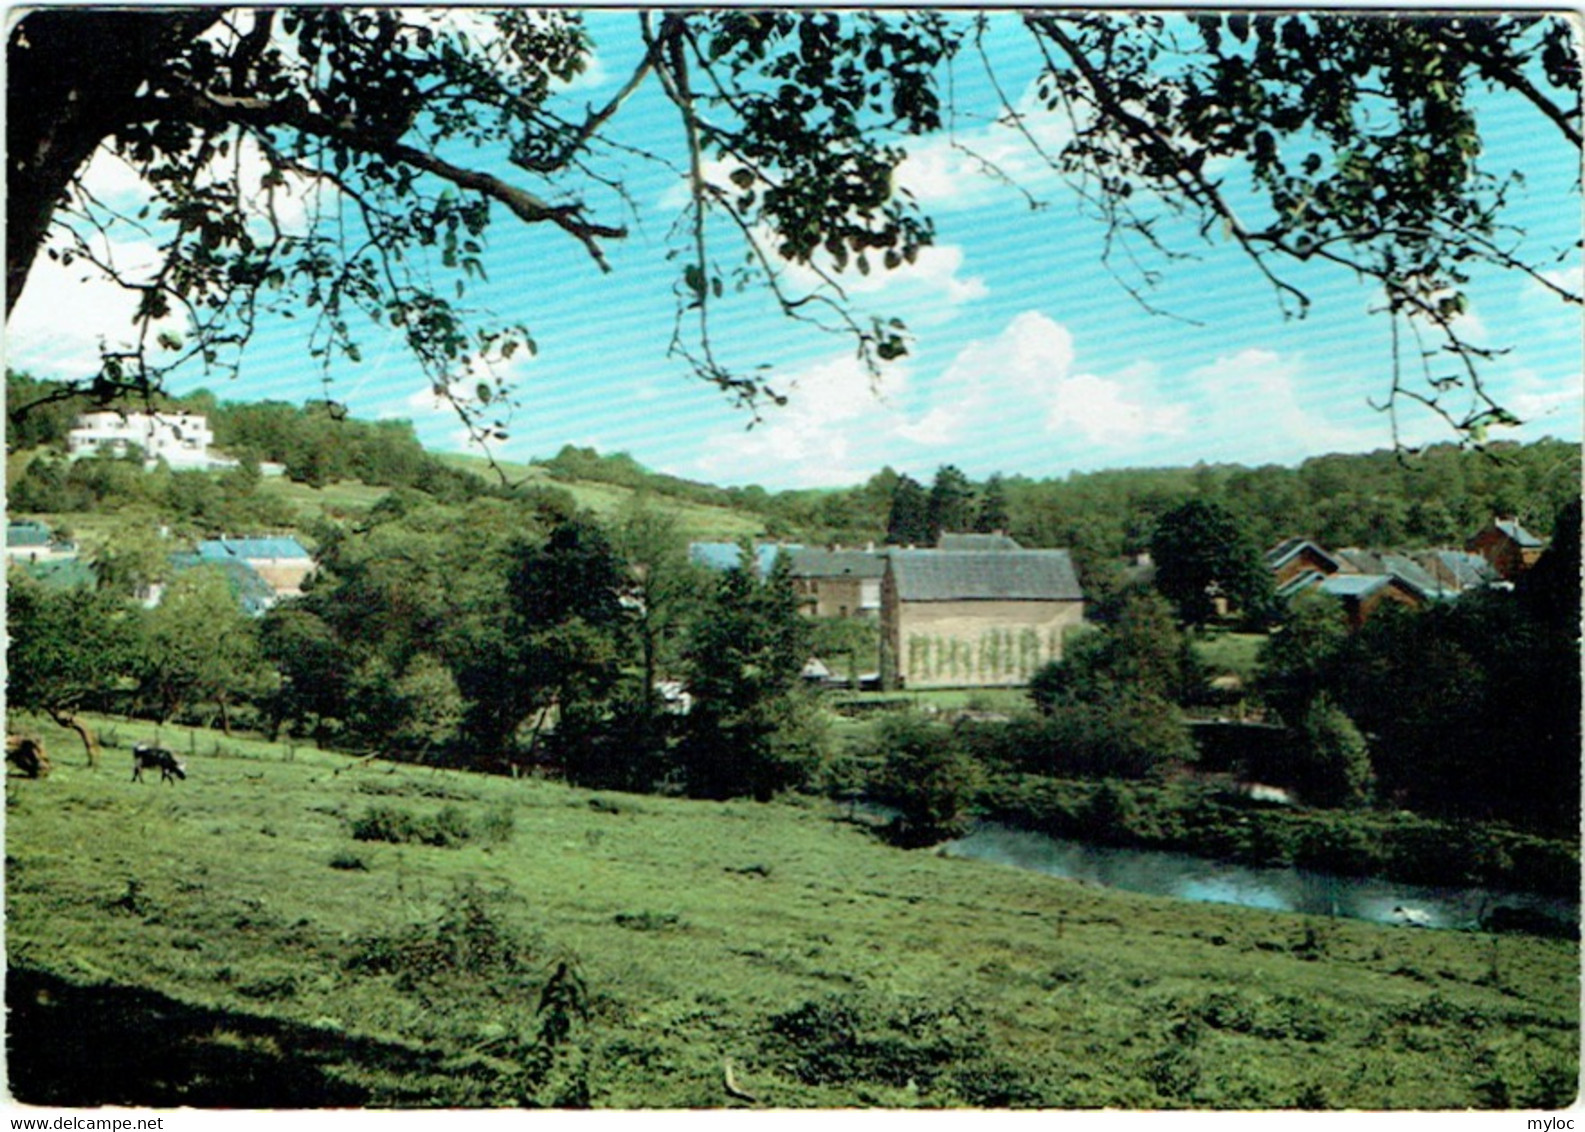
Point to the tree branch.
(209, 108)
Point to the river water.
(1159, 873)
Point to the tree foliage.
(750, 731)
(1201, 551)
(69, 650)
(382, 128)
(1360, 143)
(346, 163)
(926, 773)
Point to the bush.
(925, 774)
(1130, 736)
(449, 827)
(469, 939)
(896, 1041)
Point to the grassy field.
(294, 928)
(695, 521)
(1233, 653)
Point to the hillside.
(239, 945)
(695, 520)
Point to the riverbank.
(1201, 819)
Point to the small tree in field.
(1336, 769)
(68, 652)
(927, 776)
(751, 731)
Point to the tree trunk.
(75, 77)
(69, 720)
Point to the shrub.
(447, 827)
(925, 774)
(469, 939)
(866, 1037)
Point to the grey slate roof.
(814, 562)
(1278, 555)
(1467, 570)
(985, 575)
(952, 541)
(1513, 530)
(1355, 585)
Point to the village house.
(978, 618)
(1455, 571)
(1297, 557)
(28, 540)
(838, 582)
(280, 560)
(182, 440)
(1362, 595)
(1363, 579)
(1509, 548)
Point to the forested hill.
(1437, 496)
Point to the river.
(1159, 873)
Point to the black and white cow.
(156, 758)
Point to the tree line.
(495, 634)
(509, 634)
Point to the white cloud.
(981, 165)
(828, 429)
(67, 314)
(1012, 400)
(1251, 407)
(1022, 383)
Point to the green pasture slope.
(300, 929)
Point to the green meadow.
(288, 927)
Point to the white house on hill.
(182, 440)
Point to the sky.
(1027, 355)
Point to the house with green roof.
(976, 618)
(29, 540)
(280, 560)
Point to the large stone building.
(980, 618)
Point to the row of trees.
(489, 634)
(1436, 497)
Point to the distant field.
(696, 521)
(230, 941)
(1237, 653)
(340, 498)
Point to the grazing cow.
(28, 755)
(1412, 917)
(170, 767)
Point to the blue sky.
(1027, 356)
